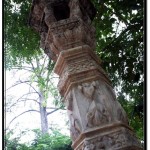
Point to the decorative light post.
(97, 120)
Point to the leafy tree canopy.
(21, 42)
(119, 26)
(53, 141)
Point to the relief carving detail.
(49, 15)
(88, 146)
(75, 9)
(97, 112)
(111, 141)
(69, 101)
(75, 126)
(74, 68)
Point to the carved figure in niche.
(88, 146)
(100, 146)
(114, 105)
(88, 89)
(108, 142)
(75, 9)
(121, 139)
(75, 127)
(49, 15)
(97, 112)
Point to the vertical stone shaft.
(97, 120)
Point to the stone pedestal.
(116, 136)
(97, 120)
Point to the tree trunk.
(43, 115)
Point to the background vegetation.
(49, 141)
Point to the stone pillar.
(97, 120)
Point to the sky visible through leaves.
(29, 120)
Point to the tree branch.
(22, 68)
(23, 100)
(52, 111)
(32, 110)
(55, 108)
(17, 83)
(43, 64)
(119, 36)
(21, 82)
(30, 86)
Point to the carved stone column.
(97, 120)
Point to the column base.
(116, 136)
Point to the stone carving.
(50, 54)
(76, 67)
(88, 146)
(112, 141)
(49, 15)
(36, 14)
(111, 91)
(69, 101)
(65, 34)
(102, 109)
(69, 33)
(75, 127)
(82, 10)
(88, 9)
(75, 9)
(97, 112)
(112, 105)
(121, 115)
(84, 65)
(70, 29)
(88, 89)
(96, 115)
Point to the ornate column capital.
(78, 65)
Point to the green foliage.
(120, 45)
(21, 42)
(58, 100)
(13, 143)
(52, 141)
(42, 69)
(135, 119)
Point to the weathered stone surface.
(116, 136)
(78, 65)
(93, 104)
(97, 120)
(62, 24)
